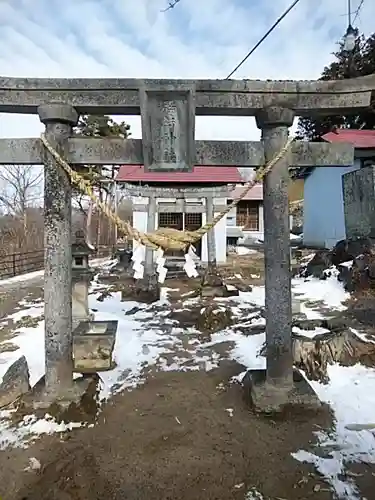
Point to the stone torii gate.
(168, 109)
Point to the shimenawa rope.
(164, 238)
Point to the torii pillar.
(272, 389)
(59, 120)
(274, 123)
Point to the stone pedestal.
(74, 397)
(80, 298)
(268, 398)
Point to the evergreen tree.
(100, 126)
(359, 62)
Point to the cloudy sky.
(197, 39)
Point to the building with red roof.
(246, 218)
(170, 213)
(202, 176)
(324, 216)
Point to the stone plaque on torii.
(168, 109)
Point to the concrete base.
(39, 399)
(268, 398)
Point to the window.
(170, 219)
(193, 221)
(248, 215)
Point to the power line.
(264, 37)
(357, 12)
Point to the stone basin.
(93, 344)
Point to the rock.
(15, 382)
(297, 230)
(359, 250)
(218, 291)
(211, 277)
(34, 464)
(346, 250)
(345, 277)
(361, 262)
(313, 355)
(133, 310)
(243, 287)
(255, 329)
(186, 317)
(231, 291)
(212, 285)
(307, 324)
(147, 290)
(8, 347)
(207, 292)
(335, 324)
(321, 261)
(213, 319)
(360, 275)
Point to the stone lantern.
(93, 341)
(81, 278)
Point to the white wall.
(140, 223)
(323, 206)
(139, 218)
(232, 222)
(220, 236)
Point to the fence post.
(14, 264)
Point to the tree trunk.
(89, 224)
(313, 355)
(98, 234)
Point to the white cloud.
(197, 39)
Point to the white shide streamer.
(138, 258)
(160, 268)
(189, 266)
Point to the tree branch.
(171, 5)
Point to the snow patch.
(351, 395)
(245, 251)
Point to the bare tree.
(20, 188)
(102, 178)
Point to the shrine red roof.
(204, 175)
(361, 139)
(255, 193)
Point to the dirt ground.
(10, 297)
(179, 436)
